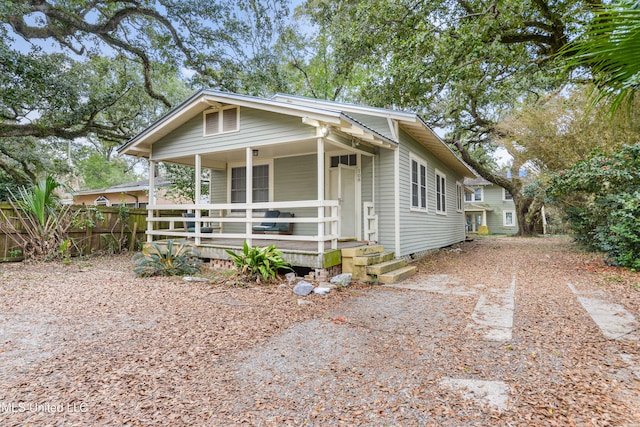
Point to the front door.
(343, 189)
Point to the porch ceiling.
(219, 160)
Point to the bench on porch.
(275, 227)
(190, 226)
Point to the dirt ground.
(494, 332)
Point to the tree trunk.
(523, 205)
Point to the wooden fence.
(112, 229)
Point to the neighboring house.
(346, 172)
(489, 208)
(133, 195)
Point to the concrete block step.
(385, 267)
(398, 275)
(361, 250)
(373, 258)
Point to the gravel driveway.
(499, 331)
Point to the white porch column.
(152, 199)
(249, 191)
(484, 219)
(320, 150)
(198, 196)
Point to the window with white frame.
(506, 195)
(418, 184)
(441, 192)
(222, 120)
(477, 194)
(468, 197)
(509, 218)
(459, 197)
(238, 184)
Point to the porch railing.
(326, 219)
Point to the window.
(509, 218)
(418, 184)
(506, 195)
(223, 120)
(477, 194)
(238, 191)
(468, 197)
(441, 191)
(459, 197)
(345, 159)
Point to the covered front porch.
(315, 196)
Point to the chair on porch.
(190, 226)
(264, 226)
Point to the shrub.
(257, 262)
(178, 259)
(602, 201)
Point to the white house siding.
(385, 199)
(256, 128)
(420, 231)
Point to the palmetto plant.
(41, 225)
(178, 259)
(610, 48)
(259, 263)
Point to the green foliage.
(183, 182)
(99, 172)
(41, 225)
(257, 263)
(40, 201)
(602, 199)
(609, 48)
(178, 259)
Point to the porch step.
(385, 267)
(348, 255)
(373, 258)
(398, 275)
(361, 250)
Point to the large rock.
(303, 288)
(343, 279)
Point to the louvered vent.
(211, 123)
(230, 119)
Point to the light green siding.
(427, 230)
(419, 230)
(493, 198)
(256, 128)
(385, 199)
(296, 178)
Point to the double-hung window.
(509, 219)
(238, 190)
(441, 192)
(418, 184)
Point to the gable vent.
(221, 121)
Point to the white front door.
(343, 189)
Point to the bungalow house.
(489, 208)
(331, 177)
